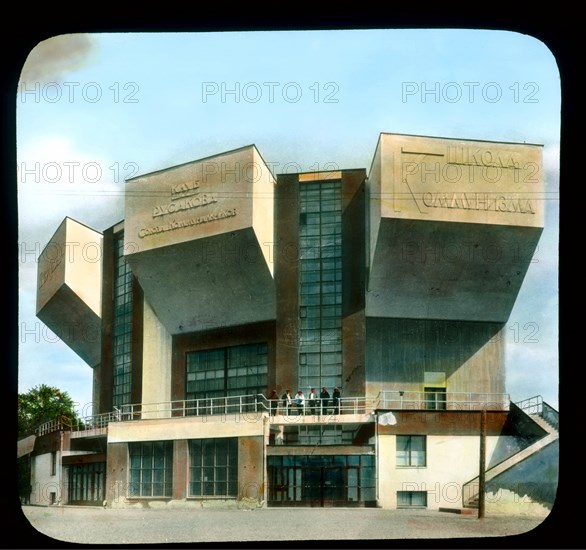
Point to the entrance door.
(334, 487)
(322, 481)
(324, 486)
(312, 486)
(87, 483)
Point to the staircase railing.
(550, 415)
(537, 406)
(532, 405)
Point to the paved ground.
(92, 526)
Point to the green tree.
(42, 404)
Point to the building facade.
(225, 286)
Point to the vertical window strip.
(320, 285)
(122, 344)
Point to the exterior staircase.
(542, 414)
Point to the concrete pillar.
(385, 465)
(117, 475)
(251, 468)
(156, 370)
(180, 469)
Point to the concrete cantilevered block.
(198, 237)
(69, 288)
(453, 226)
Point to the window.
(320, 286)
(434, 388)
(122, 339)
(435, 399)
(213, 467)
(237, 370)
(151, 469)
(334, 434)
(54, 463)
(411, 499)
(411, 451)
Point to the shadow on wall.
(534, 479)
(413, 346)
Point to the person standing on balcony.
(300, 402)
(286, 402)
(336, 400)
(324, 397)
(273, 402)
(312, 400)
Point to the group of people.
(312, 404)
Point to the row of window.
(309, 289)
(321, 276)
(319, 337)
(411, 450)
(312, 312)
(236, 370)
(319, 224)
(87, 482)
(314, 324)
(315, 250)
(320, 237)
(213, 468)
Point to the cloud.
(56, 180)
(52, 59)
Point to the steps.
(549, 428)
(470, 490)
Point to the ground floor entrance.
(86, 483)
(321, 481)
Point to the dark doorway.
(87, 483)
(322, 481)
(324, 486)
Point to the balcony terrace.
(348, 410)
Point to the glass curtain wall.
(122, 354)
(320, 285)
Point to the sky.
(95, 109)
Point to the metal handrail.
(452, 401)
(258, 403)
(537, 406)
(345, 405)
(532, 405)
(550, 415)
